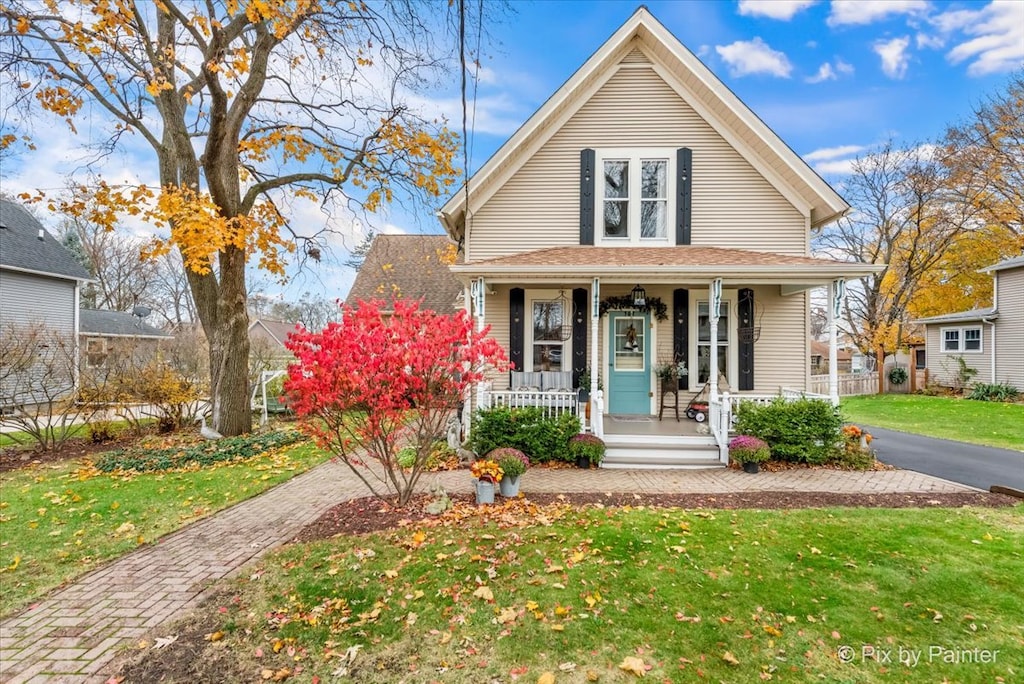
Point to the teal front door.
(629, 368)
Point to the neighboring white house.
(645, 215)
(989, 340)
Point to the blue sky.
(832, 79)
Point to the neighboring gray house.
(39, 278)
(990, 340)
(103, 334)
(39, 290)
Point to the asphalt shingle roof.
(410, 267)
(1015, 262)
(96, 322)
(23, 246)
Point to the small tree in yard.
(367, 385)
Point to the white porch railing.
(553, 403)
(850, 384)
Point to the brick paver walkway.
(72, 634)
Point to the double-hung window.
(635, 197)
(547, 346)
(967, 339)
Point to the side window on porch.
(704, 340)
(548, 348)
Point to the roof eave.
(48, 274)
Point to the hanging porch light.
(639, 296)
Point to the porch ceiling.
(665, 264)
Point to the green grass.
(58, 521)
(734, 596)
(963, 420)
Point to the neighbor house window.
(635, 198)
(95, 351)
(967, 339)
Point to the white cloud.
(832, 152)
(846, 12)
(703, 51)
(894, 56)
(844, 68)
(754, 57)
(836, 167)
(923, 40)
(998, 42)
(828, 72)
(825, 73)
(774, 9)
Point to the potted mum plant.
(586, 449)
(487, 474)
(749, 451)
(513, 464)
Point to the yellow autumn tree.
(245, 105)
(905, 217)
(985, 158)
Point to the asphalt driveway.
(969, 464)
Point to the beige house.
(990, 340)
(643, 216)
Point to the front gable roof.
(26, 246)
(693, 82)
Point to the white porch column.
(714, 310)
(596, 396)
(478, 289)
(836, 293)
(467, 400)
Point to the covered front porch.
(603, 347)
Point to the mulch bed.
(361, 516)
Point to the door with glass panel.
(629, 365)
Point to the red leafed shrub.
(372, 383)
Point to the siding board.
(733, 205)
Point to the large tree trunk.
(229, 385)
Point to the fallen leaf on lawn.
(161, 642)
(410, 619)
(558, 628)
(506, 616)
(446, 637)
(546, 678)
(532, 605)
(391, 574)
(634, 665)
(730, 658)
(215, 636)
(567, 667)
(282, 674)
(555, 568)
(815, 551)
(835, 635)
(592, 676)
(484, 592)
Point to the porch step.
(658, 451)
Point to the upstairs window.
(635, 197)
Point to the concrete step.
(658, 451)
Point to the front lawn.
(563, 595)
(62, 519)
(963, 420)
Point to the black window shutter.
(680, 329)
(684, 194)
(516, 327)
(579, 334)
(745, 312)
(588, 160)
